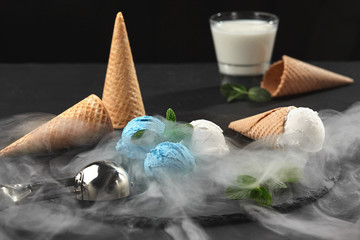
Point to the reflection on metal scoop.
(103, 180)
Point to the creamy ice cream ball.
(138, 151)
(169, 159)
(303, 128)
(207, 139)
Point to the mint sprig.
(239, 92)
(262, 196)
(237, 193)
(291, 174)
(245, 180)
(174, 132)
(248, 187)
(233, 92)
(178, 132)
(170, 115)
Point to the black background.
(52, 31)
(169, 31)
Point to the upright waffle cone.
(121, 95)
(291, 76)
(82, 124)
(268, 125)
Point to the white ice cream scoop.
(207, 139)
(304, 129)
(284, 126)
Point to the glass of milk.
(243, 44)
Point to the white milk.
(243, 47)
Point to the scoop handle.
(64, 182)
(50, 189)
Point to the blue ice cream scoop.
(170, 159)
(131, 149)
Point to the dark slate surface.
(192, 90)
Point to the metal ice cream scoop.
(103, 180)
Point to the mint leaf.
(290, 175)
(236, 193)
(239, 88)
(186, 128)
(189, 126)
(137, 135)
(175, 132)
(236, 96)
(245, 180)
(274, 183)
(259, 94)
(233, 91)
(261, 196)
(280, 185)
(230, 89)
(226, 89)
(178, 132)
(145, 137)
(170, 115)
(244, 190)
(174, 135)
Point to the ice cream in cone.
(291, 76)
(268, 125)
(284, 126)
(121, 95)
(84, 123)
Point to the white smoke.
(177, 207)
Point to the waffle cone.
(121, 95)
(83, 124)
(268, 125)
(291, 76)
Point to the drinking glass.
(243, 44)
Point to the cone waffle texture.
(291, 76)
(268, 125)
(83, 124)
(121, 95)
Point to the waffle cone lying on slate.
(268, 125)
(121, 95)
(83, 124)
(291, 76)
